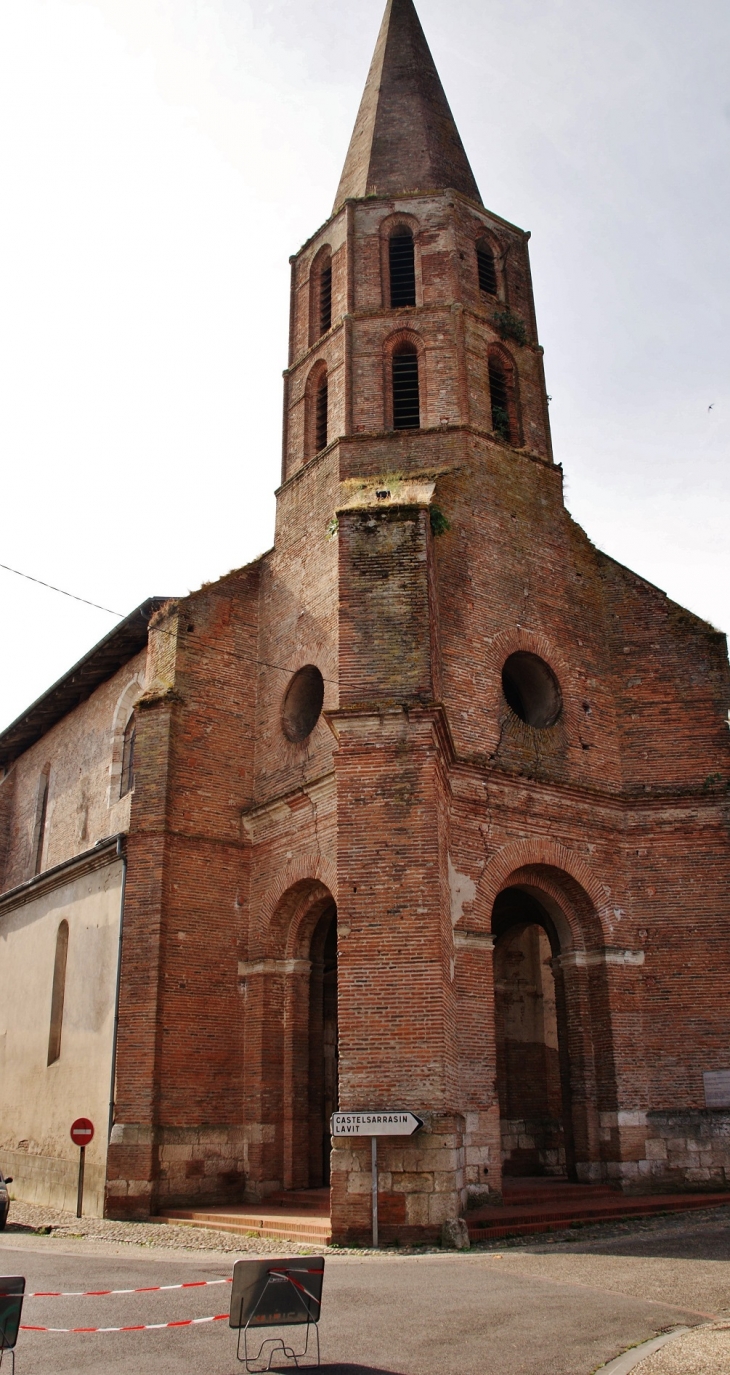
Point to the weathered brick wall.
(7, 802)
(454, 321)
(83, 795)
(179, 1063)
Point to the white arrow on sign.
(374, 1123)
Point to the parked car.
(4, 1198)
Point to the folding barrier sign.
(12, 1291)
(277, 1293)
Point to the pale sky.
(160, 161)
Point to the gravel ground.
(29, 1217)
(704, 1351)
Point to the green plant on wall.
(510, 326)
(439, 522)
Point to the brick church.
(426, 808)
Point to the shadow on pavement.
(329, 1369)
(704, 1241)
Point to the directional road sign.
(374, 1123)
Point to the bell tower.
(415, 376)
(412, 306)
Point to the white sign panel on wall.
(374, 1123)
(717, 1088)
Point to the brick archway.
(287, 1034)
(576, 910)
(560, 894)
(563, 877)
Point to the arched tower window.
(503, 394)
(58, 993)
(320, 413)
(325, 298)
(316, 410)
(402, 268)
(320, 295)
(406, 398)
(130, 736)
(486, 268)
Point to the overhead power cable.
(72, 595)
(214, 649)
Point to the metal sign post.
(374, 1170)
(82, 1133)
(374, 1124)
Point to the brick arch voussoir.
(393, 341)
(300, 885)
(396, 220)
(557, 871)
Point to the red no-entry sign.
(82, 1131)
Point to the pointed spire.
(405, 138)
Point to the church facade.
(425, 809)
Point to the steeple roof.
(405, 138)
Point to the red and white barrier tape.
(102, 1293)
(136, 1327)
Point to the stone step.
(281, 1225)
(492, 1223)
(296, 1200)
(552, 1193)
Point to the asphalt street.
(536, 1310)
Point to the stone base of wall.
(422, 1183)
(483, 1157)
(533, 1147)
(167, 1167)
(53, 1183)
(667, 1152)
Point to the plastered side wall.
(38, 1102)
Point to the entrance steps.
(548, 1205)
(296, 1215)
(530, 1206)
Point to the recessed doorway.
(323, 1055)
(531, 1065)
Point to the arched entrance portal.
(533, 1077)
(322, 1094)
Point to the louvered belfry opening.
(402, 269)
(320, 414)
(499, 393)
(486, 269)
(406, 401)
(325, 298)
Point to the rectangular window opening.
(320, 417)
(406, 401)
(402, 271)
(325, 299)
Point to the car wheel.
(3, 1220)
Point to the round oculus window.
(302, 704)
(532, 690)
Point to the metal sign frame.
(277, 1293)
(12, 1293)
